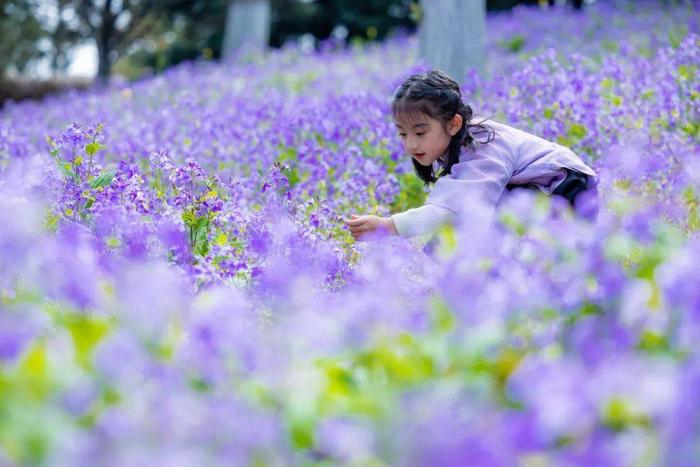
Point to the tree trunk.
(105, 43)
(452, 36)
(247, 28)
(577, 4)
(104, 67)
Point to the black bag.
(574, 183)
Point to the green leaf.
(67, 169)
(412, 193)
(189, 218)
(513, 223)
(651, 342)
(301, 431)
(443, 320)
(608, 83)
(221, 239)
(200, 230)
(293, 176)
(200, 224)
(199, 384)
(92, 148)
(647, 95)
(514, 44)
(577, 131)
(610, 46)
(619, 416)
(34, 371)
(104, 179)
(692, 129)
(202, 247)
(339, 381)
(287, 153)
(87, 332)
(51, 221)
(676, 36)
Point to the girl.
(470, 162)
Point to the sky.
(83, 61)
(83, 64)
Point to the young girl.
(470, 161)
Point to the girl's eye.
(420, 134)
(402, 134)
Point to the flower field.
(177, 286)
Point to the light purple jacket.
(512, 157)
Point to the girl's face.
(426, 138)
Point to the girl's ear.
(455, 124)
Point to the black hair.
(437, 95)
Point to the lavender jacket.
(513, 157)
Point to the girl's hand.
(361, 226)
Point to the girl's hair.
(437, 95)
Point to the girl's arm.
(420, 221)
(474, 187)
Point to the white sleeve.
(420, 221)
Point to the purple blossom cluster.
(177, 285)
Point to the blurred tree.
(247, 28)
(452, 36)
(64, 35)
(25, 39)
(343, 19)
(187, 30)
(496, 5)
(195, 28)
(114, 25)
(577, 4)
(20, 33)
(157, 34)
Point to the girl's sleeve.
(478, 180)
(420, 221)
(474, 184)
